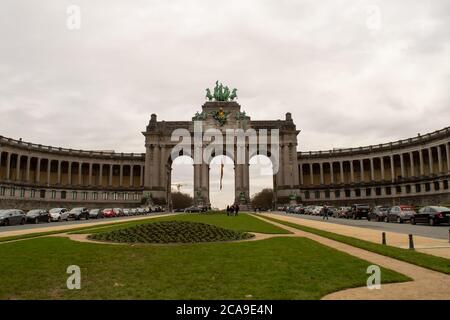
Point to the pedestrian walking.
(325, 213)
(228, 210)
(236, 209)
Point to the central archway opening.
(221, 182)
(261, 183)
(181, 183)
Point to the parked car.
(96, 214)
(290, 209)
(299, 209)
(79, 213)
(360, 211)
(317, 210)
(342, 212)
(38, 215)
(11, 217)
(378, 213)
(309, 209)
(119, 212)
(432, 215)
(332, 211)
(109, 213)
(193, 209)
(58, 214)
(400, 214)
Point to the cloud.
(345, 83)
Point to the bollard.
(449, 235)
(383, 237)
(411, 242)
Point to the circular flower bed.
(171, 232)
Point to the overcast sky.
(350, 72)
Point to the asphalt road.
(36, 227)
(437, 232)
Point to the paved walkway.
(437, 247)
(426, 284)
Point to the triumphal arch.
(221, 127)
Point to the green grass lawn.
(278, 268)
(243, 222)
(418, 258)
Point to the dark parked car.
(38, 215)
(400, 214)
(79, 213)
(378, 213)
(360, 211)
(342, 212)
(12, 216)
(96, 213)
(193, 209)
(432, 215)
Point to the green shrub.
(170, 232)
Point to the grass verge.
(277, 268)
(418, 258)
(243, 223)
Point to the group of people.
(233, 210)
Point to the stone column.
(8, 166)
(49, 170)
(331, 173)
(301, 173)
(148, 166)
(28, 168)
(372, 170)
(392, 168)
(205, 182)
(421, 162)
(100, 174)
(19, 157)
(163, 168)
(430, 160)
(341, 168)
(59, 172)
(121, 175)
(142, 175)
(352, 174)
(197, 183)
(90, 174)
(38, 170)
(361, 166)
(382, 168)
(80, 166)
(131, 175)
(438, 148)
(402, 166)
(311, 173)
(111, 169)
(156, 166)
(447, 150)
(69, 173)
(411, 159)
(321, 173)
